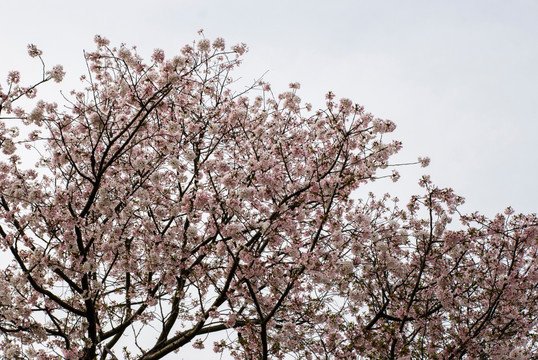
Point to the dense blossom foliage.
(165, 206)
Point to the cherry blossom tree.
(159, 205)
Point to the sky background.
(459, 78)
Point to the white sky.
(459, 78)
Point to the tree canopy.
(159, 204)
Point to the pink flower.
(240, 48)
(158, 55)
(219, 44)
(395, 176)
(204, 45)
(101, 41)
(33, 51)
(295, 85)
(383, 126)
(424, 161)
(8, 147)
(57, 73)
(13, 77)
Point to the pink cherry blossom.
(33, 51)
(160, 206)
(57, 73)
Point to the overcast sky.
(459, 78)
